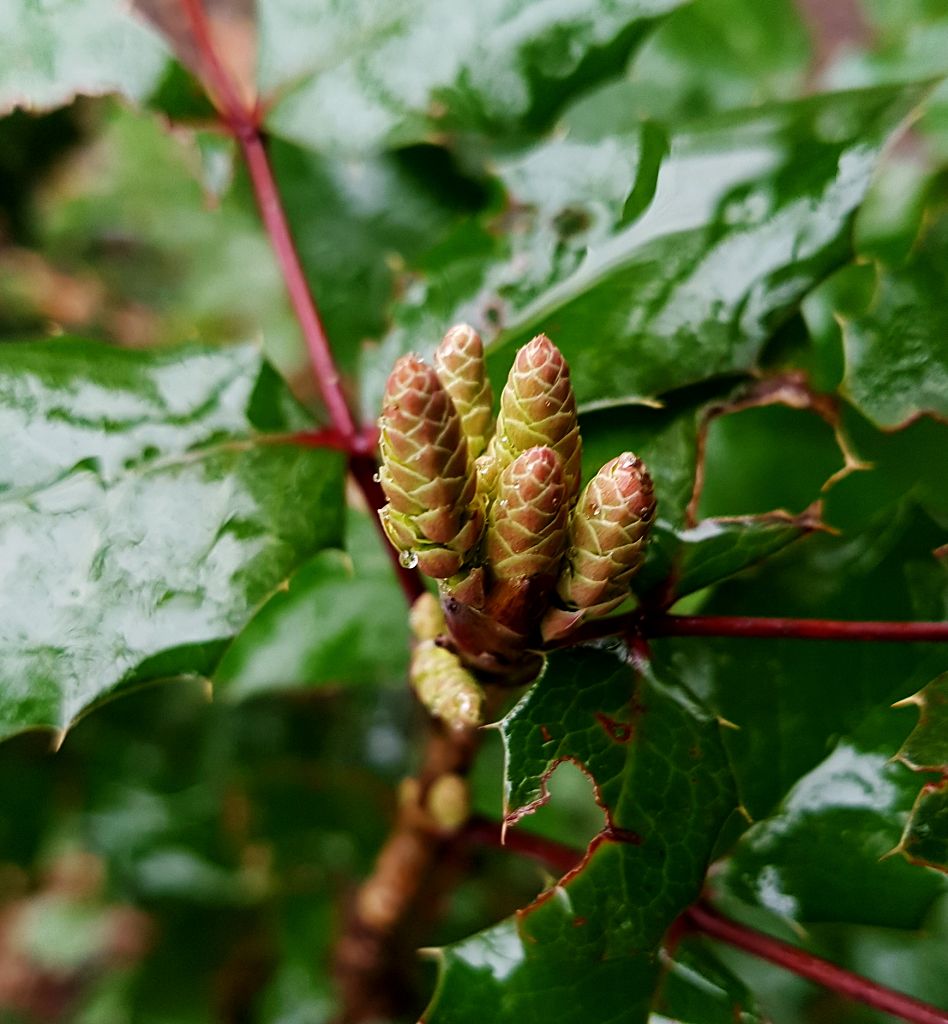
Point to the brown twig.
(395, 902)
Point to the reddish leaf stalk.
(760, 628)
(344, 433)
(314, 334)
(798, 629)
(806, 965)
(561, 858)
(556, 856)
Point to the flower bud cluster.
(522, 556)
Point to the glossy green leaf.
(897, 349)
(813, 740)
(662, 779)
(824, 855)
(50, 53)
(687, 560)
(697, 988)
(792, 700)
(925, 840)
(144, 517)
(892, 466)
(749, 468)
(681, 278)
(718, 54)
(317, 631)
(926, 749)
(359, 78)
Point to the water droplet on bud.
(377, 477)
(407, 559)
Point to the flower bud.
(538, 408)
(444, 686)
(426, 618)
(459, 360)
(448, 802)
(425, 473)
(607, 537)
(526, 533)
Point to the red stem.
(344, 434)
(314, 334)
(799, 629)
(814, 968)
(766, 628)
(562, 858)
(556, 856)
(244, 125)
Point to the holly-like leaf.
(805, 695)
(662, 779)
(357, 78)
(925, 839)
(823, 854)
(684, 561)
(891, 467)
(681, 277)
(148, 507)
(926, 749)
(896, 349)
(696, 988)
(51, 53)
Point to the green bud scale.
(607, 537)
(526, 532)
(445, 687)
(459, 361)
(538, 408)
(431, 516)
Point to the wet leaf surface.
(49, 54)
(718, 240)
(399, 74)
(144, 517)
(662, 778)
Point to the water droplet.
(596, 509)
(503, 503)
(505, 440)
(407, 559)
(377, 477)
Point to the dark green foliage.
(748, 284)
